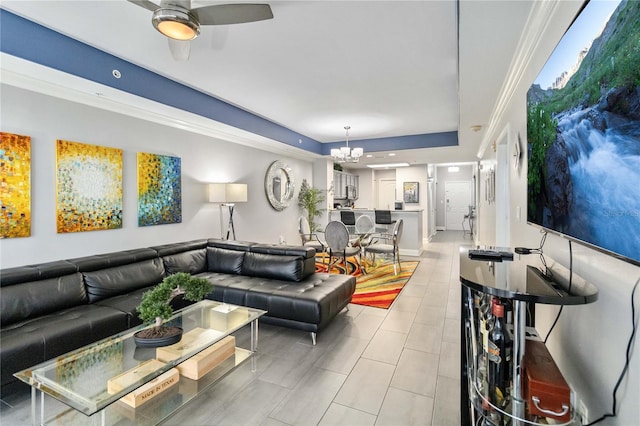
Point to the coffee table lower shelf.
(156, 410)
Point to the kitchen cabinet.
(341, 181)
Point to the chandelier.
(345, 154)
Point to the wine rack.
(487, 398)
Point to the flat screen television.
(583, 132)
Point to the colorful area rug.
(379, 287)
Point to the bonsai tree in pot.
(311, 199)
(155, 307)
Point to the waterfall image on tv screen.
(583, 132)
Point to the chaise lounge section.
(52, 308)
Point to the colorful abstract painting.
(15, 185)
(159, 189)
(89, 187)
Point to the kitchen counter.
(412, 234)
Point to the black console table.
(524, 281)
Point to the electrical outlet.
(282, 241)
(583, 412)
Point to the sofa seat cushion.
(30, 342)
(313, 302)
(128, 304)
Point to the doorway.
(457, 202)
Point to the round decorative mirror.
(278, 184)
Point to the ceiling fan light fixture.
(176, 23)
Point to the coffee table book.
(201, 363)
(147, 391)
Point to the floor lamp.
(227, 194)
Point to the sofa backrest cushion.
(288, 268)
(32, 299)
(302, 251)
(225, 260)
(230, 244)
(41, 271)
(122, 279)
(174, 248)
(192, 262)
(110, 260)
(305, 254)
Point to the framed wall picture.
(410, 192)
(159, 189)
(15, 185)
(88, 187)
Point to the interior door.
(457, 202)
(386, 194)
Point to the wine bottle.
(499, 359)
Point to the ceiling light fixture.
(387, 166)
(346, 154)
(176, 22)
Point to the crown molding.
(535, 28)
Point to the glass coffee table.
(112, 381)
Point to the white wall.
(204, 160)
(589, 342)
(415, 174)
(486, 226)
(366, 190)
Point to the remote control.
(492, 255)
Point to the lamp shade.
(227, 192)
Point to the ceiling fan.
(176, 20)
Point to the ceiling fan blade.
(224, 14)
(186, 4)
(179, 49)
(145, 4)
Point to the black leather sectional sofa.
(52, 308)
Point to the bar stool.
(348, 217)
(383, 217)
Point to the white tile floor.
(370, 366)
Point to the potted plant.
(155, 307)
(311, 200)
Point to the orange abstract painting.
(15, 185)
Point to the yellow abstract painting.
(15, 185)
(88, 187)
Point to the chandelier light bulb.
(345, 154)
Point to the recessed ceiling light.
(392, 154)
(369, 155)
(387, 166)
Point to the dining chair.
(365, 229)
(309, 238)
(337, 238)
(391, 246)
